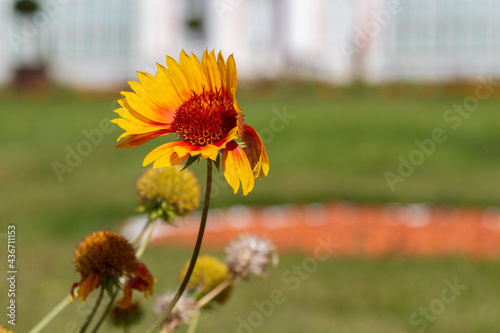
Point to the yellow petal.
(148, 108)
(134, 140)
(169, 160)
(231, 76)
(137, 88)
(148, 81)
(161, 93)
(164, 151)
(212, 72)
(222, 70)
(193, 71)
(237, 168)
(178, 79)
(173, 97)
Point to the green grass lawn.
(339, 295)
(337, 146)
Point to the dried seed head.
(125, 317)
(249, 254)
(182, 312)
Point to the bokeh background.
(388, 108)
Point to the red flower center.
(205, 119)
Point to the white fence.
(442, 40)
(95, 43)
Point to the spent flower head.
(102, 258)
(208, 273)
(125, 317)
(196, 101)
(181, 313)
(168, 193)
(249, 254)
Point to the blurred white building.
(95, 43)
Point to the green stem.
(94, 310)
(51, 315)
(196, 251)
(194, 321)
(106, 311)
(138, 237)
(150, 225)
(145, 241)
(64, 303)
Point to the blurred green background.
(326, 143)
(333, 144)
(337, 146)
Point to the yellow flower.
(168, 193)
(196, 100)
(208, 273)
(5, 330)
(102, 258)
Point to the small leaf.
(109, 285)
(217, 162)
(153, 215)
(190, 160)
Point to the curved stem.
(196, 251)
(105, 312)
(91, 315)
(145, 241)
(64, 303)
(51, 315)
(139, 236)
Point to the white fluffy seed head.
(249, 254)
(182, 312)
